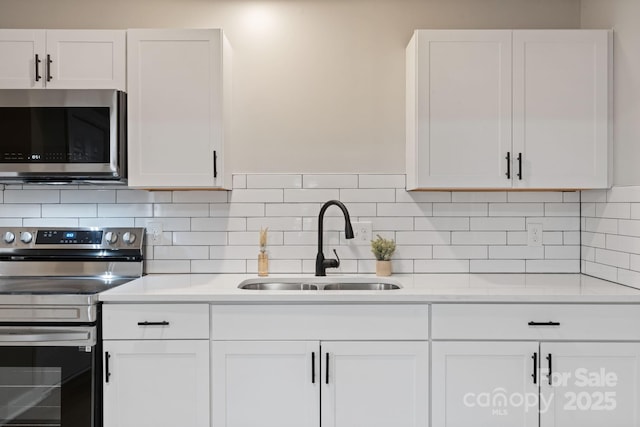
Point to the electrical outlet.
(534, 234)
(361, 233)
(154, 232)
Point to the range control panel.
(71, 238)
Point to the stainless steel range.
(50, 364)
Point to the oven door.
(47, 376)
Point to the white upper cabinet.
(561, 108)
(62, 59)
(458, 108)
(527, 109)
(178, 99)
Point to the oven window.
(46, 386)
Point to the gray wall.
(624, 17)
(318, 84)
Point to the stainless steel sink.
(278, 286)
(320, 284)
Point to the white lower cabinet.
(156, 383)
(319, 383)
(156, 365)
(473, 381)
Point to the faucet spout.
(321, 263)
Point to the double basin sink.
(320, 284)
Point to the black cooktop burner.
(58, 285)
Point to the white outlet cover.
(361, 233)
(534, 234)
(154, 232)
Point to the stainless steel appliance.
(62, 136)
(50, 364)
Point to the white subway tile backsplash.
(594, 240)
(613, 258)
(624, 195)
(588, 254)
(438, 231)
(11, 222)
(635, 262)
(200, 196)
(478, 238)
(635, 210)
(69, 210)
(142, 196)
(553, 266)
(475, 197)
(257, 196)
(205, 238)
(595, 196)
(251, 238)
(237, 209)
(307, 195)
(423, 237)
(623, 243)
(441, 266)
(460, 252)
(88, 196)
(602, 271)
(31, 196)
(180, 252)
(330, 181)
(498, 223)
(188, 210)
(629, 227)
(274, 181)
(516, 209)
(219, 266)
(540, 196)
(239, 181)
(460, 209)
(274, 223)
(292, 209)
(497, 266)
(516, 252)
(124, 209)
(381, 181)
(20, 211)
(405, 209)
(629, 278)
(601, 225)
(562, 209)
(218, 224)
(403, 196)
(367, 195)
(613, 210)
(441, 223)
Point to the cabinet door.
(458, 109)
(156, 383)
(375, 384)
(85, 59)
(561, 85)
(594, 385)
(484, 384)
(266, 384)
(19, 68)
(175, 127)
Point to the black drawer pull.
(550, 370)
(544, 323)
(107, 374)
(163, 323)
(327, 366)
(535, 368)
(313, 367)
(508, 159)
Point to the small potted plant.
(263, 258)
(383, 249)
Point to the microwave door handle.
(31, 336)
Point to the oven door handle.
(45, 337)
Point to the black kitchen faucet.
(321, 263)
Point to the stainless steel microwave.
(60, 136)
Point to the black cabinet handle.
(550, 370)
(163, 323)
(535, 368)
(544, 323)
(107, 374)
(215, 164)
(520, 166)
(508, 158)
(49, 61)
(38, 61)
(327, 370)
(313, 367)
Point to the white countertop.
(416, 288)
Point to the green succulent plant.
(383, 248)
